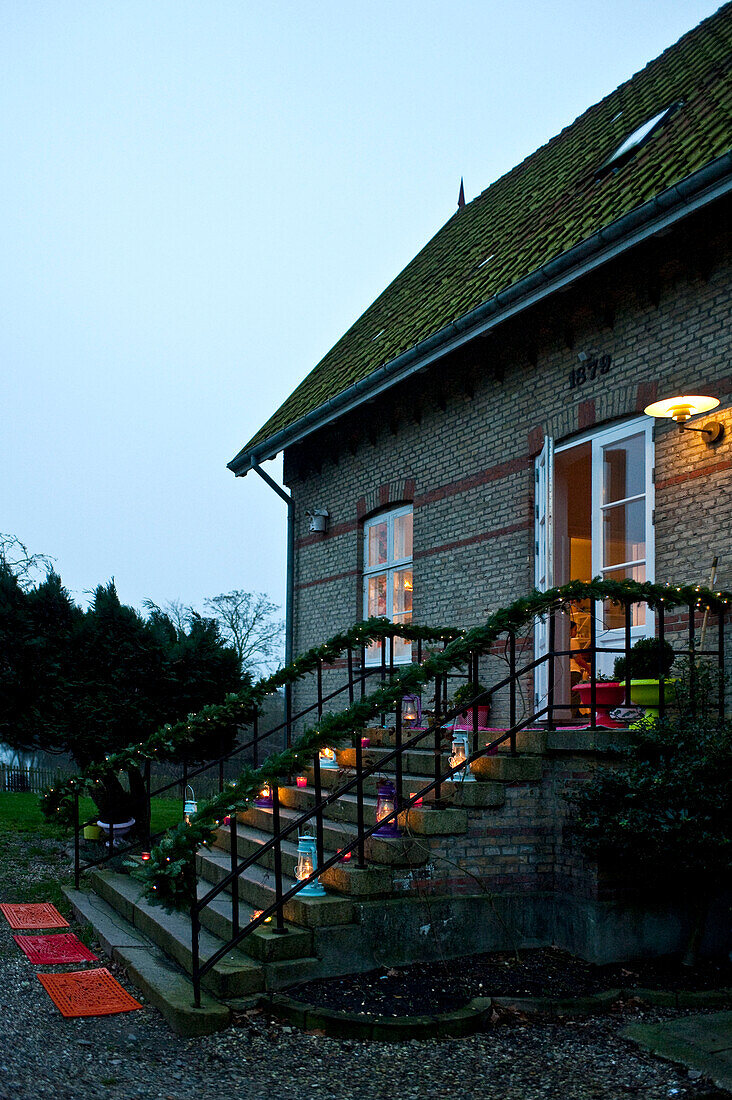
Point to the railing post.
(419, 651)
(398, 762)
(233, 837)
(661, 669)
(551, 661)
(320, 688)
(363, 671)
(288, 714)
(221, 775)
(77, 861)
(438, 698)
(255, 738)
(111, 838)
(318, 809)
(148, 823)
(474, 678)
(512, 695)
(692, 659)
(195, 958)
(627, 605)
(391, 655)
(359, 803)
(720, 658)
(280, 916)
(593, 664)
(350, 676)
(438, 752)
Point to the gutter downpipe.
(290, 589)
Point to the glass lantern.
(460, 753)
(385, 804)
(327, 758)
(190, 806)
(411, 710)
(307, 862)
(264, 798)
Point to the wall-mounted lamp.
(679, 409)
(318, 519)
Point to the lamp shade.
(681, 408)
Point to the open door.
(543, 556)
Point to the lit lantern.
(346, 857)
(365, 742)
(328, 758)
(411, 710)
(460, 753)
(418, 801)
(144, 856)
(190, 806)
(301, 780)
(264, 798)
(257, 913)
(307, 862)
(386, 804)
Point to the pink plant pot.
(607, 697)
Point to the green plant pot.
(93, 832)
(644, 693)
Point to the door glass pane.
(403, 537)
(614, 614)
(624, 532)
(402, 609)
(377, 595)
(377, 544)
(623, 469)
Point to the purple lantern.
(412, 710)
(264, 798)
(386, 804)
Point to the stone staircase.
(325, 936)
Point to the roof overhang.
(665, 210)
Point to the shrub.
(646, 659)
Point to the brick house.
(480, 431)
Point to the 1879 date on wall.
(589, 370)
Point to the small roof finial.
(461, 196)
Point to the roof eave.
(670, 206)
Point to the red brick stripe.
(463, 484)
(690, 475)
(327, 580)
(525, 525)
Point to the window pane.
(402, 593)
(624, 533)
(403, 537)
(377, 595)
(624, 473)
(614, 614)
(377, 544)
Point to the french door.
(594, 518)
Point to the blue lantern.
(307, 862)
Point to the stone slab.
(702, 1043)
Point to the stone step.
(401, 852)
(236, 975)
(508, 769)
(527, 740)
(162, 982)
(344, 878)
(257, 887)
(262, 943)
(488, 795)
(423, 821)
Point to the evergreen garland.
(169, 875)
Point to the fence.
(35, 780)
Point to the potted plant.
(646, 659)
(608, 695)
(464, 697)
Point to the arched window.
(387, 575)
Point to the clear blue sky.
(199, 198)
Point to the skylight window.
(635, 140)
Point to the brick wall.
(460, 441)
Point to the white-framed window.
(387, 575)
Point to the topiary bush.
(646, 659)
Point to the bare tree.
(27, 568)
(248, 621)
(180, 614)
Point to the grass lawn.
(21, 812)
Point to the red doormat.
(61, 948)
(39, 915)
(87, 993)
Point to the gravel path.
(136, 1055)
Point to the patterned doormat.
(38, 915)
(87, 993)
(63, 947)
